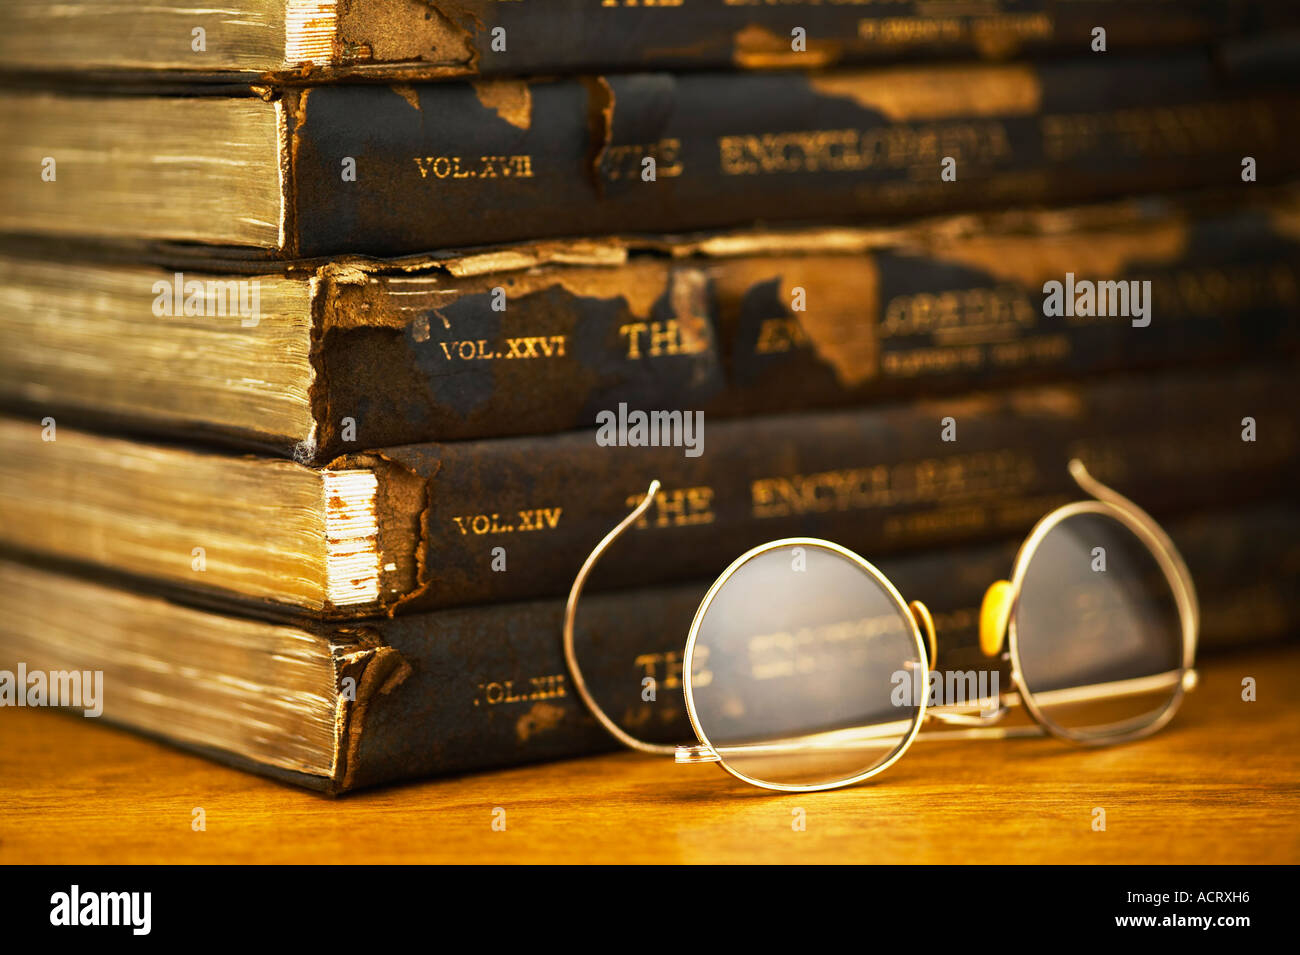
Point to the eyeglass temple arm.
(1091, 486)
(571, 612)
(880, 735)
(872, 738)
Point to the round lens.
(1097, 630)
(806, 667)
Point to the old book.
(315, 40)
(416, 527)
(341, 707)
(394, 170)
(312, 360)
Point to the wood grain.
(1220, 785)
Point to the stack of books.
(334, 335)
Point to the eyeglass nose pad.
(921, 614)
(995, 613)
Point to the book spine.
(550, 36)
(515, 518)
(408, 358)
(404, 169)
(488, 687)
(315, 41)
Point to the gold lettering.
(816, 648)
(545, 346)
(671, 337)
(482, 525)
(1163, 131)
(984, 30)
(681, 508)
(548, 687)
(780, 335)
(484, 167)
(625, 161)
(960, 316)
(853, 150)
(915, 482)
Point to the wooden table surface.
(1221, 784)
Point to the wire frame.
(570, 654)
(707, 749)
(1105, 501)
(1109, 503)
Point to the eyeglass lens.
(1097, 629)
(805, 668)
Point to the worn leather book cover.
(310, 41)
(461, 690)
(885, 479)
(539, 338)
(418, 527)
(406, 169)
(461, 165)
